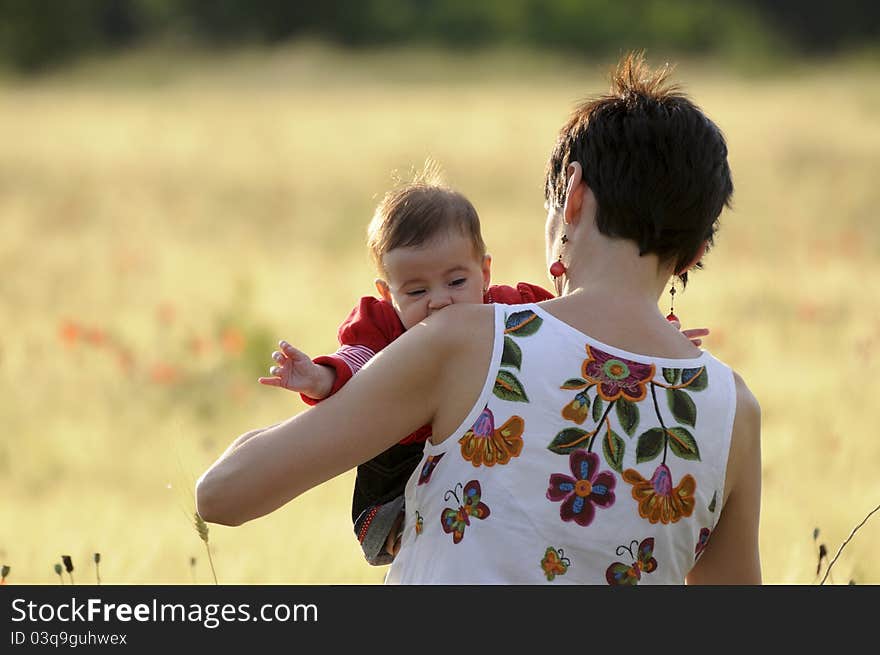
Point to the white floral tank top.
(580, 463)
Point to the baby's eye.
(415, 292)
(458, 282)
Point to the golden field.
(165, 220)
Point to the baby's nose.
(439, 301)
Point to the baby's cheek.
(474, 296)
(413, 314)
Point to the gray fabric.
(373, 544)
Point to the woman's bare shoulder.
(743, 466)
(456, 324)
(748, 409)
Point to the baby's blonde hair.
(414, 212)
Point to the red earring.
(557, 268)
(671, 316)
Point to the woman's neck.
(605, 267)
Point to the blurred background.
(183, 183)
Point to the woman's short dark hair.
(655, 163)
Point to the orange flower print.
(483, 444)
(577, 409)
(617, 377)
(658, 500)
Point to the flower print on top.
(577, 409)
(485, 445)
(623, 384)
(428, 468)
(580, 493)
(658, 500)
(617, 377)
(455, 521)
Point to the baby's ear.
(382, 288)
(487, 270)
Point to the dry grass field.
(165, 220)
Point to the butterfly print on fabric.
(643, 562)
(456, 520)
(554, 563)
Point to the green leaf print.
(671, 375)
(712, 503)
(507, 387)
(682, 405)
(696, 379)
(522, 324)
(628, 415)
(613, 448)
(649, 445)
(574, 383)
(597, 409)
(568, 440)
(683, 444)
(512, 355)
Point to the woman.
(579, 440)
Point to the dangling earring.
(557, 268)
(671, 316)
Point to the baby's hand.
(693, 334)
(297, 372)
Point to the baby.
(426, 243)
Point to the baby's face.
(425, 279)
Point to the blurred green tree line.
(35, 34)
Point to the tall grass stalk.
(202, 529)
(846, 541)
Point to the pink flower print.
(617, 377)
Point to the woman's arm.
(401, 389)
(242, 438)
(732, 556)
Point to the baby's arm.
(297, 372)
(694, 334)
(367, 329)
